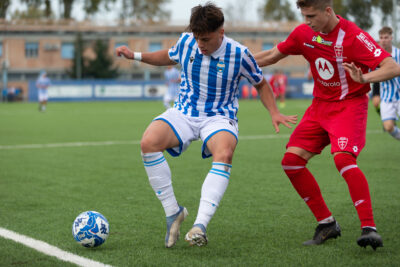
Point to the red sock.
(304, 183)
(358, 187)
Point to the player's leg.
(294, 164)
(307, 140)
(347, 134)
(389, 113)
(359, 191)
(221, 145)
(158, 137)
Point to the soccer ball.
(90, 229)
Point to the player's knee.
(224, 155)
(388, 127)
(343, 161)
(147, 145)
(292, 162)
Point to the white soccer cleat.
(197, 236)
(173, 224)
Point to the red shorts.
(341, 124)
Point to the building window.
(67, 50)
(31, 50)
(1, 49)
(154, 46)
(267, 46)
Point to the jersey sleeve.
(174, 51)
(291, 45)
(250, 69)
(367, 52)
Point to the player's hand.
(279, 118)
(124, 51)
(354, 72)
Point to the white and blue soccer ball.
(90, 229)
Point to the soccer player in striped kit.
(340, 55)
(212, 65)
(390, 89)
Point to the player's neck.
(332, 23)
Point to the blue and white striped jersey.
(390, 89)
(209, 84)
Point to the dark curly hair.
(205, 19)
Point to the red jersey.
(326, 53)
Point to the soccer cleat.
(173, 224)
(370, 237)
(197, 236)
(323, 232)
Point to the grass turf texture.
(261, 219)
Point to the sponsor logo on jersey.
(324, 68)
(320, 40)
(308, 45)
(369, 45)
(220, 66)
(328, 84)
(342, 142)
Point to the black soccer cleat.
(324, 232)
(370, 237)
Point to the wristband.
(137, 56)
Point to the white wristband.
(137, 56)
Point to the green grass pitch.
(261, 220)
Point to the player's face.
(209, 42)
(385, 40)
(317, 19)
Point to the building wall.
(51, 36)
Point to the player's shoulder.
(235, 45)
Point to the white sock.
(327, 220)
(213, 189)
(395, 133)
(159, 175)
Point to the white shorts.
(390, 111)
(43, 95)
(188, 129)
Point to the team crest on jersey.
(191, 59)
(338, 51)
(342, 142)
(220, 66)
(320, 40)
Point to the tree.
(78, 69)
(102, 66)
(4, 4)
(145, 10)
(278, 10)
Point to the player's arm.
(158, 58)
(268, 57)
(388, 69)
(268, 100)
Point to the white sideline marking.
(50, 250)
(111, 143)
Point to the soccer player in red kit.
(340, 55)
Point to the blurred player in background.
(278, 83)
(390, 89)
(212, 65)
(42, 84)
(375, 97)
(340, 55)
(173, 79)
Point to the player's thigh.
(158, 137)
(219, 135)
(222, 145)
